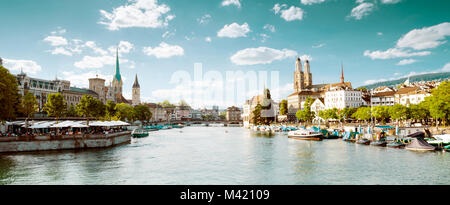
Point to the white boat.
(304, 134)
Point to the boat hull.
(364, 142)
(313, 138)
(140, 135)
(378, 143)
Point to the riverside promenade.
(75, 142)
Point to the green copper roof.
(117, 76)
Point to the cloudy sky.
(374, 39)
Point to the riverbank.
(75, 142)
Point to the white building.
(341, 98)
(410, 95)
(383, 98)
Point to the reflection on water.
(226, 155)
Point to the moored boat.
(418, 143)
(363, 141)
(380, 143)
(304, 134)
(395, 144)
(139, 133)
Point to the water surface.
(227, 155)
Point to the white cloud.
(95, 61)
(231, 2)
(306, 57)
(379, 34)
(56, 40)
(368, 82)
(269, 27)
(406, 62)
(234, 30)
(208, 39)
(394, 53)
(137, 13)
(261, 55)
(309, 2)
(28, 66)
(446, 67)
(264, 37)
(62, 51)
(204, 19)
(164, 50)
(361, 10)
(95, 48)
(291, 14)
(82, 79)
(319, 46)
(425, 38)
(59, 31)
(168, 34)
(390, 1)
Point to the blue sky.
(374, 39)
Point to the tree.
(381, 113)
(256, 118)
(9, 95)
(362, 113)
(71, 111)
(142, 113)
(418, 112)
(306, 114)
(348, 112)
(438, 103)
(87, 107)
(28, 105)
(223, 115)
(55, 106)
(283, 107)
(110, 108)
(183, 103)
(398, 112)
(124, 112)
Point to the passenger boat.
(304, 134)
(418, 143)
(363, 141)
(139, 133)
(447, 148)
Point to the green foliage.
(71, 111)
(142, 113)
(56, 105)
(398, 112)
(223, 115)
(9, 95)
(418, 112)
(362, 113)
(166, 103)
(90, 107)
(110, 108)
(348, 112)
(28, 105)
(183, 103)
(124, 112)
(283, 107)
(306, 114)
(381, 113)
(438, 103)
(256, 117)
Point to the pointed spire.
(298, 65)
(342, 73)
(136, 83)
(117, 76)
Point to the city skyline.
(383, 39)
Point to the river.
(225, 156)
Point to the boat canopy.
(417, 135)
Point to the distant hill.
(423, 77)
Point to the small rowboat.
(363, 141)
(378, 143)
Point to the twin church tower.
(302, 80)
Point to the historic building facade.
(233, 114)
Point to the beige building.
(233, 114)
(158, 112)
(136, 98)
(410, 95)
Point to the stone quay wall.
(44, 143)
